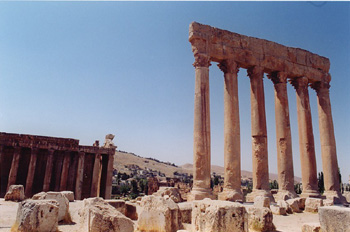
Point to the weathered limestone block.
(99, 216)
(278, 210)
(285, 205)
(261, 201)
(69, 195)
(158, 215)
(294, 205)
(334, 218)
(301, 202)
(130, 211)
(312, 204)
(347, 196)
(118, 205)
(260, 219)
(328, 202)
(15, 193)
(311, 227)
(219, 216)
(185, 211)
(172, 192)
(36, 216)
(63, 204)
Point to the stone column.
(96, 176)
(108, 189)
(31, 172)
(306, 139)
(201, 146)
(14, 167)
(284, 138)
(65, 170)
(259, 136)
(232, 150)
(328, 146)
(80, 172)
(48, 170)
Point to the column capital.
(321, 87)
(201, 60)
(278, 77)
(300, 83)
(229, 66)
(255, 71)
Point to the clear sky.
(85, 69)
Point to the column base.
(285, 195)
(200, 194)
(259, 192)
(310, 193)
(335, 196)
(230, 195)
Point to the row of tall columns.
(232, 177)
(61, 182)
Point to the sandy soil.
(8, 210)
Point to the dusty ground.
(8, 210)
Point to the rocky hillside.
(125, 162)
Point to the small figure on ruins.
(109, 141)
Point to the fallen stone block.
(301, 203)
(328, 202)
(185, 211)
(131, 211)
(36, 216)
(158, 215)
(347, 196)
(285, 205)
(69, 195)
(311, 227)
(260, 219)
(278, 210)
(118, 205)
(99, 216)
(15, 193)
(294, 205)
(334, 218)
(312, 204)
(261, 201)
(172, 192)
(219, 216)
(63, 204)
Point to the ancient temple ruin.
(282, 64)
(41, 163)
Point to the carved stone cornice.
(255, 72)
(201, 60)
(228, 66)
(300, 83)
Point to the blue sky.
(85, 69)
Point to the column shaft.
(328, 146)
(201, 146)
(65, 170)
(31, 172)
(48, 170)
(108, 192)
(14, 167)
(306, 139)
(96, 176)
(232, 150)
(283, 138)
(80, 172)
(259, 135)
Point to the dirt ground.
(8, 211)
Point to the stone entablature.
(248, 51)
(42, 163)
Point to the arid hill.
(124, 161)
